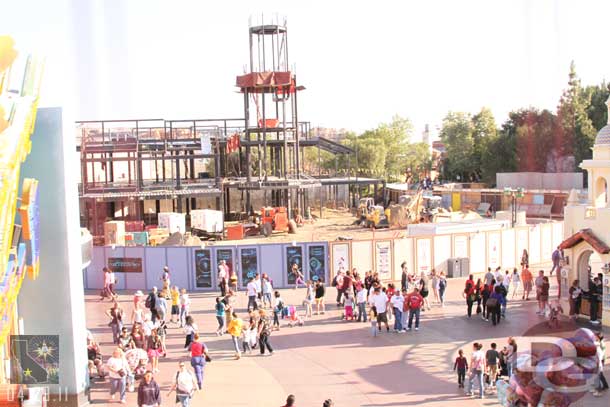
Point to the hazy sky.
(361, 61)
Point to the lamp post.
(514, 193)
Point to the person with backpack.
(469, 294)
(494, 304)
(485, 293)
(415, 302)
(185, 385)
(151, 304)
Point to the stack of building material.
(157, 236)
(114, 233)
(174, 222)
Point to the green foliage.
(457, 135)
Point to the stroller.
(137, 359)
(294, 318)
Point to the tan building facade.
(587, 227)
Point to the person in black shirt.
(320, 292)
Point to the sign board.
(203, 268)
(294, 255)
(30, 223)
(125, 264)
(249, 264)
(317, 262)
(341, 260)
(383, 259)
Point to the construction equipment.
(273, 219)
(365, 206)
(377, 218)
(430, 207)
(407, 210)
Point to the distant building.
(336, 135)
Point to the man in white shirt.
(379, 300)
(251, 292)
(398, 302)
(497, 274)
(185, 384)
(222, 278)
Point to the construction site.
(231, 168)
(182, 181)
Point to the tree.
(597, 109)
(577, 133)
(418, 159)
(457, 135)
(483, 135)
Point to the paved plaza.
(330, 358)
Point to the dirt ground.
(335, 223)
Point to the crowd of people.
(139, 336)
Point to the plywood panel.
(135, 281)
(423, 255)
(477, 253)
(403, 252)
(362, 256)
(178, 263)
(442, 252)
(508, 248)
(94, 274)
(117, 252)
(460, 246)
(534, 244)
(494, 249)
(155, 260)
(521, 243)
(546, 241)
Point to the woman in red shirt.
(199, 356)
(469, 294)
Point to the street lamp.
(514, 193)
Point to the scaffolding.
(128, 164)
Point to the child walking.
(373, 318)
(461, 364)
(349, 307)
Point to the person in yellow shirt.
(175, 294)
(234, 329)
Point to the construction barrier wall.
(195, 268)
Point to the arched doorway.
(589, 263)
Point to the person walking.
(251, 293)
(190, 329)
(309, 299)
(415, 302)
(154, 349)
(199, 357)
(149, 392)
(404, 279)
(264, 331)
(220, 309)
(575, 293)
(595, 296)
(477, 367)
(161, 305)
(223, 278)
(267, 291)
(338, 284)
(380, 301)
(116, 321)
(527, 278)
(320, 293)
(494, 305)
(516, 282)
(511, 356)
(488, 276)
(442, 286)
(185, 385)
(361, 304)
(278, 309)
(117, 372)
(398, 304)
(423, 290)
(469, 294)
(235, 330)
(185, 306)
(434, 281)
(538, 283)
(109, 282)
(151, 304)
(461, 364)
(543, 295)
(298, 276)
(525, 259)
(491, 358)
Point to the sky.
(361, 61)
